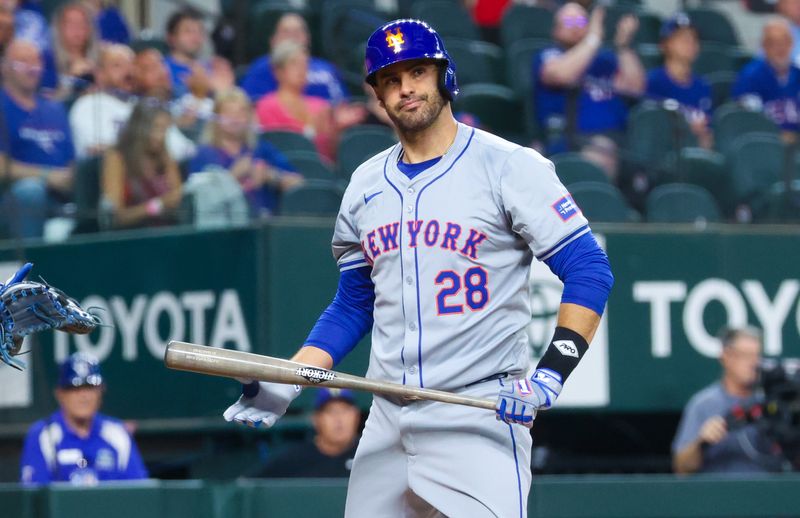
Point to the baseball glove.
(28, 307)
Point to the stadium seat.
(714, 58)
(449, 19)
(602, 202)
(522, 22)
(346, 24)
(359, 143)
(519, 64)
(721, 84)
(573, 168)
(755, 162)
(650, 55)
(681, 203)
(649, 24)
(310, 165)
(497, 107)
(697, 166)
(654, 132)
(314, 198)
(88, 174)
(713, 25)
(287, 141)
(731, 121)
(476, 61)
(777, 204)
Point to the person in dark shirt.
(336, 421)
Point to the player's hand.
(261, 403)
(520, 399)
(713, 430)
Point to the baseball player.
(434, 241)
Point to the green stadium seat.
(345, 25)
(497, 108)
(476, 61)
(649, 24)
(721, 84)
(310, 165)
(713, 25)
(519, 64)
(573, 168)
(697, 166)
(314, 198)
(602, 202)
(449, 19)
(714, 58)
(141, 44)
(681, 203)
(522, 22)
(654, 132)
(731, 121)
(650, 55)
(778, 204)
(360, 143)
(88, 174)
(287, 141)
(755, 162)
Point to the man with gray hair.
(704, 442)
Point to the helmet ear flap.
(447, 81)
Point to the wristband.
(154, 207)
(565, 351)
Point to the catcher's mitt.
(28, 307)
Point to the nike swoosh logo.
(367, 198)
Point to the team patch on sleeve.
(565, 208)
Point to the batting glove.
(520, 399)
(261, 403)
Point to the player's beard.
(421, 118)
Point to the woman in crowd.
(141, 183)
(289, 109)
(76, 48)
(262, 170)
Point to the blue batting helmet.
(80, 370)
(401, 40)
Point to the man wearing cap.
(76, 443)
(336, 421)
(675, 80)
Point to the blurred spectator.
(76, 49)
(578, 85)
(151, 76)
(76, 443)
(336, 420)
(187, 37)
(289, 109)
(791, 10)
(772, 83)
(261, 169)
(676, 81)
(6, 27)
(30, 25)
(35, 135)
(487, 15)
(141, 183)
(97, 117)
(374, 113)
(323, 79)
(603, 152)
(707, 442)
(110, 23)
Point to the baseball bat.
(237, 364)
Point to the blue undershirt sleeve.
(348, 318)
(584, 269)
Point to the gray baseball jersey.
(450, 252)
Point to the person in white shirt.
(97, 117)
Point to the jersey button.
(412, 369)
(409, 280)
(409, 208)
(410, 190)
(412, 326)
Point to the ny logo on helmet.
(395, 40)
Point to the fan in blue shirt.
(76, 443)
(772, 82)
(675, 80)
(35, 136)
(578, 68)
(323, 78)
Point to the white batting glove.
(261, 403)
(521, 398)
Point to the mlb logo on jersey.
(565, 208)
